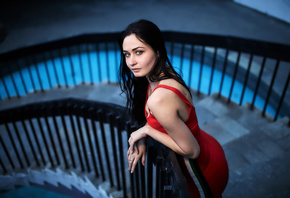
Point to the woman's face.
(140, 57)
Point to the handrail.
(251, 64)
(87, 136)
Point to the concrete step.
(214, 118)
(267, 179)
(102, 92)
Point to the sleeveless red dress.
(206, 176)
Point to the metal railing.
(242, 70)
(90, 137)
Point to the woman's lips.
(136, 70)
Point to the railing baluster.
(107, 62)
(44, 139)
(29, 140)
(132, 183)
(136, 178)
(101, 116)
(96, 141)
(20, 142)
(7, 153)
(181, 56)
(6, 89)
(56, 127)
(13, 145)
(171, 50)
(30, 74)
(99, 62)
(258, 82)
(168, 190)
(81, 135)
(234, 77)
(113, 142)
(89, 137)
(246, 79)
(66, 133)
(37, 72)
(143, 178)
(271, 86)
(200, 71)
(14, 84)
(223, 72)
(282, 97)
(81, 63)
(116, 49)
(54, 68)
(71, 66)
(162, 181)
(158, 179)
(51, 138)
(73, 111)
(190, 65)
(37, 141)
(121, 154)
(89, 64)
(62, 67)
(21, 77)
(44, 60)
(149, 165)
(212, 70)
(3, 166)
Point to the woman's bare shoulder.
(162, 98)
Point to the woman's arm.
(166, 109)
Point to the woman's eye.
(126, 54)
(139, 52)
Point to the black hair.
(135, 88)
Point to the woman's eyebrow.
(134, 49)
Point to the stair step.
(225, 129)
(256, 179)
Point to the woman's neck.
(152, 85)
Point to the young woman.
(161, 102)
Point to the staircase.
(257, 150)
(57, 181)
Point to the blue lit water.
(92, 67)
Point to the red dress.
(211, 163)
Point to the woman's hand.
(139, 151)
(136, 136)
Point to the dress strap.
(175, 90)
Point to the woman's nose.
(132, 61)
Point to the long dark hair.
(135, 88)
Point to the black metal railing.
(242, 70)
(87, 136)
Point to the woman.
(161, 103)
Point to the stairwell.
(256, 148)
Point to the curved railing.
(242, 70)
(88, 137)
